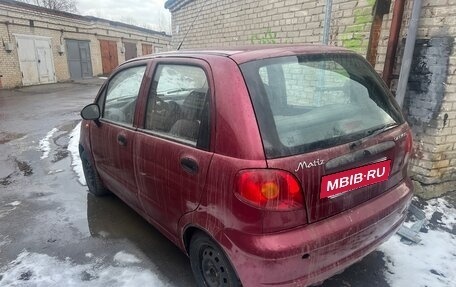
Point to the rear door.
(172, 150)
(113, 139)
(329, 120)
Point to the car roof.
(249, 53)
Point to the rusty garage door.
(147, 49)
(36, 60)
(78, 55)
(109, 58)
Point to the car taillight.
(408, 146)
(269, 189)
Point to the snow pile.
(73, 148)
(431, 262)
(41, 270)
(44, 143)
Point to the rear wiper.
(380, 129)
(175, 91)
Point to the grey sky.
(145, 13)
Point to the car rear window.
(309, 102)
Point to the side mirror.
(91, 112)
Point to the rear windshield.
(309, 102)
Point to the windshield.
(309, 102)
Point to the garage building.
(40, 46)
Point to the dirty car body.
(267, 165)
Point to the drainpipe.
(327, 23)
(396, 22)
(408, 52)
(381, 7)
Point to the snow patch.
(123, 257)
(45, 145)
(14, 203)
(429, 263)
(442, 206)
(73, 148)
(55, 171)
(41, 270)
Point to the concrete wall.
(430, 108)
(17, 20)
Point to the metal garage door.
(35, 59)
(130, 51)
(147, 49)
(109, 58)
(78, 55)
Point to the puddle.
(7, 137)
(6, 180)
(69, 126)
(24, 167)
(62, 139)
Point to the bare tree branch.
(59, 5)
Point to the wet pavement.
(45, 210)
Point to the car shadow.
(109, 218)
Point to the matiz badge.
(304, 164)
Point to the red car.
(268, 166)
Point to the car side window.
(121, 95)
(177, 106)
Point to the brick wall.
(59, 28)
(430, 103)
(234, 22)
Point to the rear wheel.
(210, 265)
(94, 183)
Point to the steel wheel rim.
(212, 268)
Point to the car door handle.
(121, 139)
(189, 165)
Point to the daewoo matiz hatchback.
(268, 166)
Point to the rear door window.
(305, 103)
(178, 104)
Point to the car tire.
(94, 182)
(209, 263)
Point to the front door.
(172, 150)
(113, 138)
(109, 59)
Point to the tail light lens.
(403, 152)
(409, 141)
(269, 189)
(408, 146)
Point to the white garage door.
(35, 59)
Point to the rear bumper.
(315, 252)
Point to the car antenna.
(196, 17)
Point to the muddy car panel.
(260, 199)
